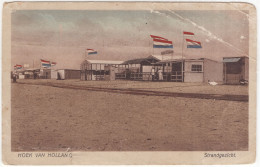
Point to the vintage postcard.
(129, 83)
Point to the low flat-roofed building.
(65, 74)
(99, 69)
(191, 70)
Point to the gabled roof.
(166, 57)
(104, 62)
(148, 60)
(169, 60)
(135, 61)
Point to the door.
(177, 72)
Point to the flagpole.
(153, 50)
(162, 57)
(182, 56)
(172, 53)
(149, 46)
(60, 40)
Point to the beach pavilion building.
(141, 69)
(154, 67)
(100, 69)
(192, 70)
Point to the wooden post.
(225, 76)
(182, 66)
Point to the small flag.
(160, 42)
(193, 44)
(91, 51)
(45, 63)
(188, 33)
(53, 63)
(157, 37)
(17, 66)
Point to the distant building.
(45, 73)
(235, 69)
(66, 74)
(54, 74)
(29, 73)
(99, 69)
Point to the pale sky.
(63, 36)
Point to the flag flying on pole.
(193, 44)
(188, 33)
(53, 63)
(17, 66)
(91, 51)
(45, 63)
(157, 37)
(160, 42)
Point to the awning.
(134, 61)
(231, 60)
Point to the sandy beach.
(48, 118)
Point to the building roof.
(104, 62)
(152, 58)
(169, 60)
(135, 61)
(231, 59)
(166, 57)
(210, 60)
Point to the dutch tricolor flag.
(53, 63)
(193, 44)
(45, 63)
(17, 66)
(160, 42)
(91, 51)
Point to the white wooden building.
(99, 69)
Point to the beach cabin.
(63, 74)
(236, 69)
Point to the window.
(195, 67)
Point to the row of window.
(194, 67)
